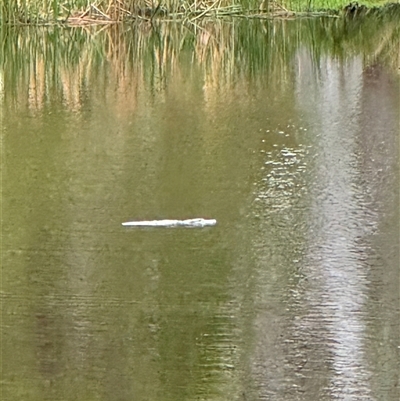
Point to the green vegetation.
(79, 12)
(334, 5)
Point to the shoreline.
(93, 16)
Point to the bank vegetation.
(85, 12)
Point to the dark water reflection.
(289, 142)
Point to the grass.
(80, 12)
(318, 5)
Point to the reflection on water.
(317, 206)
(288, 141)
(340, 222)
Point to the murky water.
(285, 132)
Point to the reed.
(84, 12)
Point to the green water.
(285, 132)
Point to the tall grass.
(111, 11)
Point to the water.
(288, 140)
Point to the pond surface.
(285, 132)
